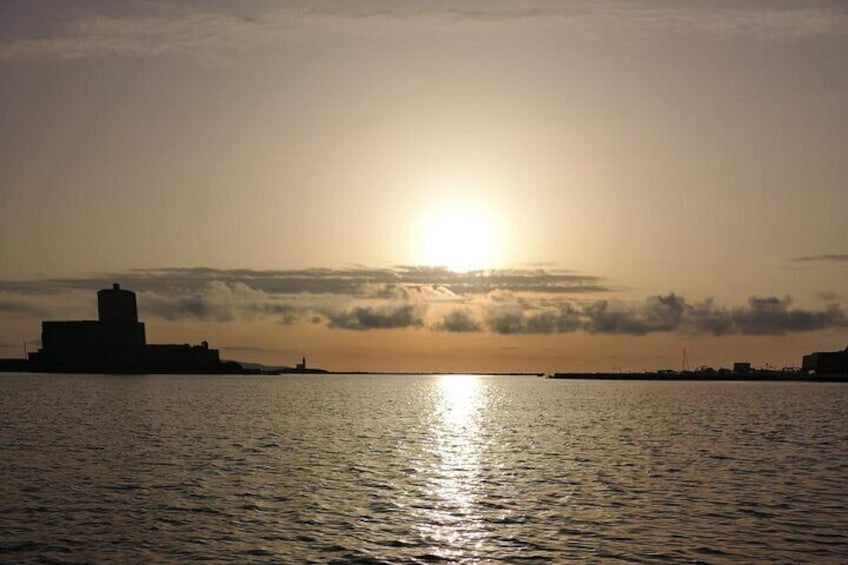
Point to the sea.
(420, 469)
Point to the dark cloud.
(707, 318)
(221, 302)
(286, 314)
(657, 314)
(773, 316)
(354, 282)
(194, 306)
(388, 316)
(831, 258)
(458, 320)
(508, 314)
(505, 321)
(761, 316)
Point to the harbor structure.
(742, 368)
(828, 362)
(301, 368)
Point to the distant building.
(301, 368)
(826, 362)
(116, 343)
(741, 368)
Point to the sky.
(447, 186)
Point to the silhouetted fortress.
(116, 343)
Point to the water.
(399, 469)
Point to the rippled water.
(400, 469)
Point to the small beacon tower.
(117, 305)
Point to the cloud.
(458, 320)
(509, 313)
(431, 283)
(772, 316)
(515, 319)
(208, 30)
(669, 313)
(832, 258)
(656, 314)
(388, 316)
(218, 301)
(516, 301)
(355, 298)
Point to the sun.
(460, 238)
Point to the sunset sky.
(453, 186)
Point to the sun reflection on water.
(453, 523)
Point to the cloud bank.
(360, 282)
(507, 302)
(668, 313)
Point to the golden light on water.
(454, 521)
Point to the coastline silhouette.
(116, 343)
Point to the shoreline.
(754, 376)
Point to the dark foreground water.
(359, 469)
